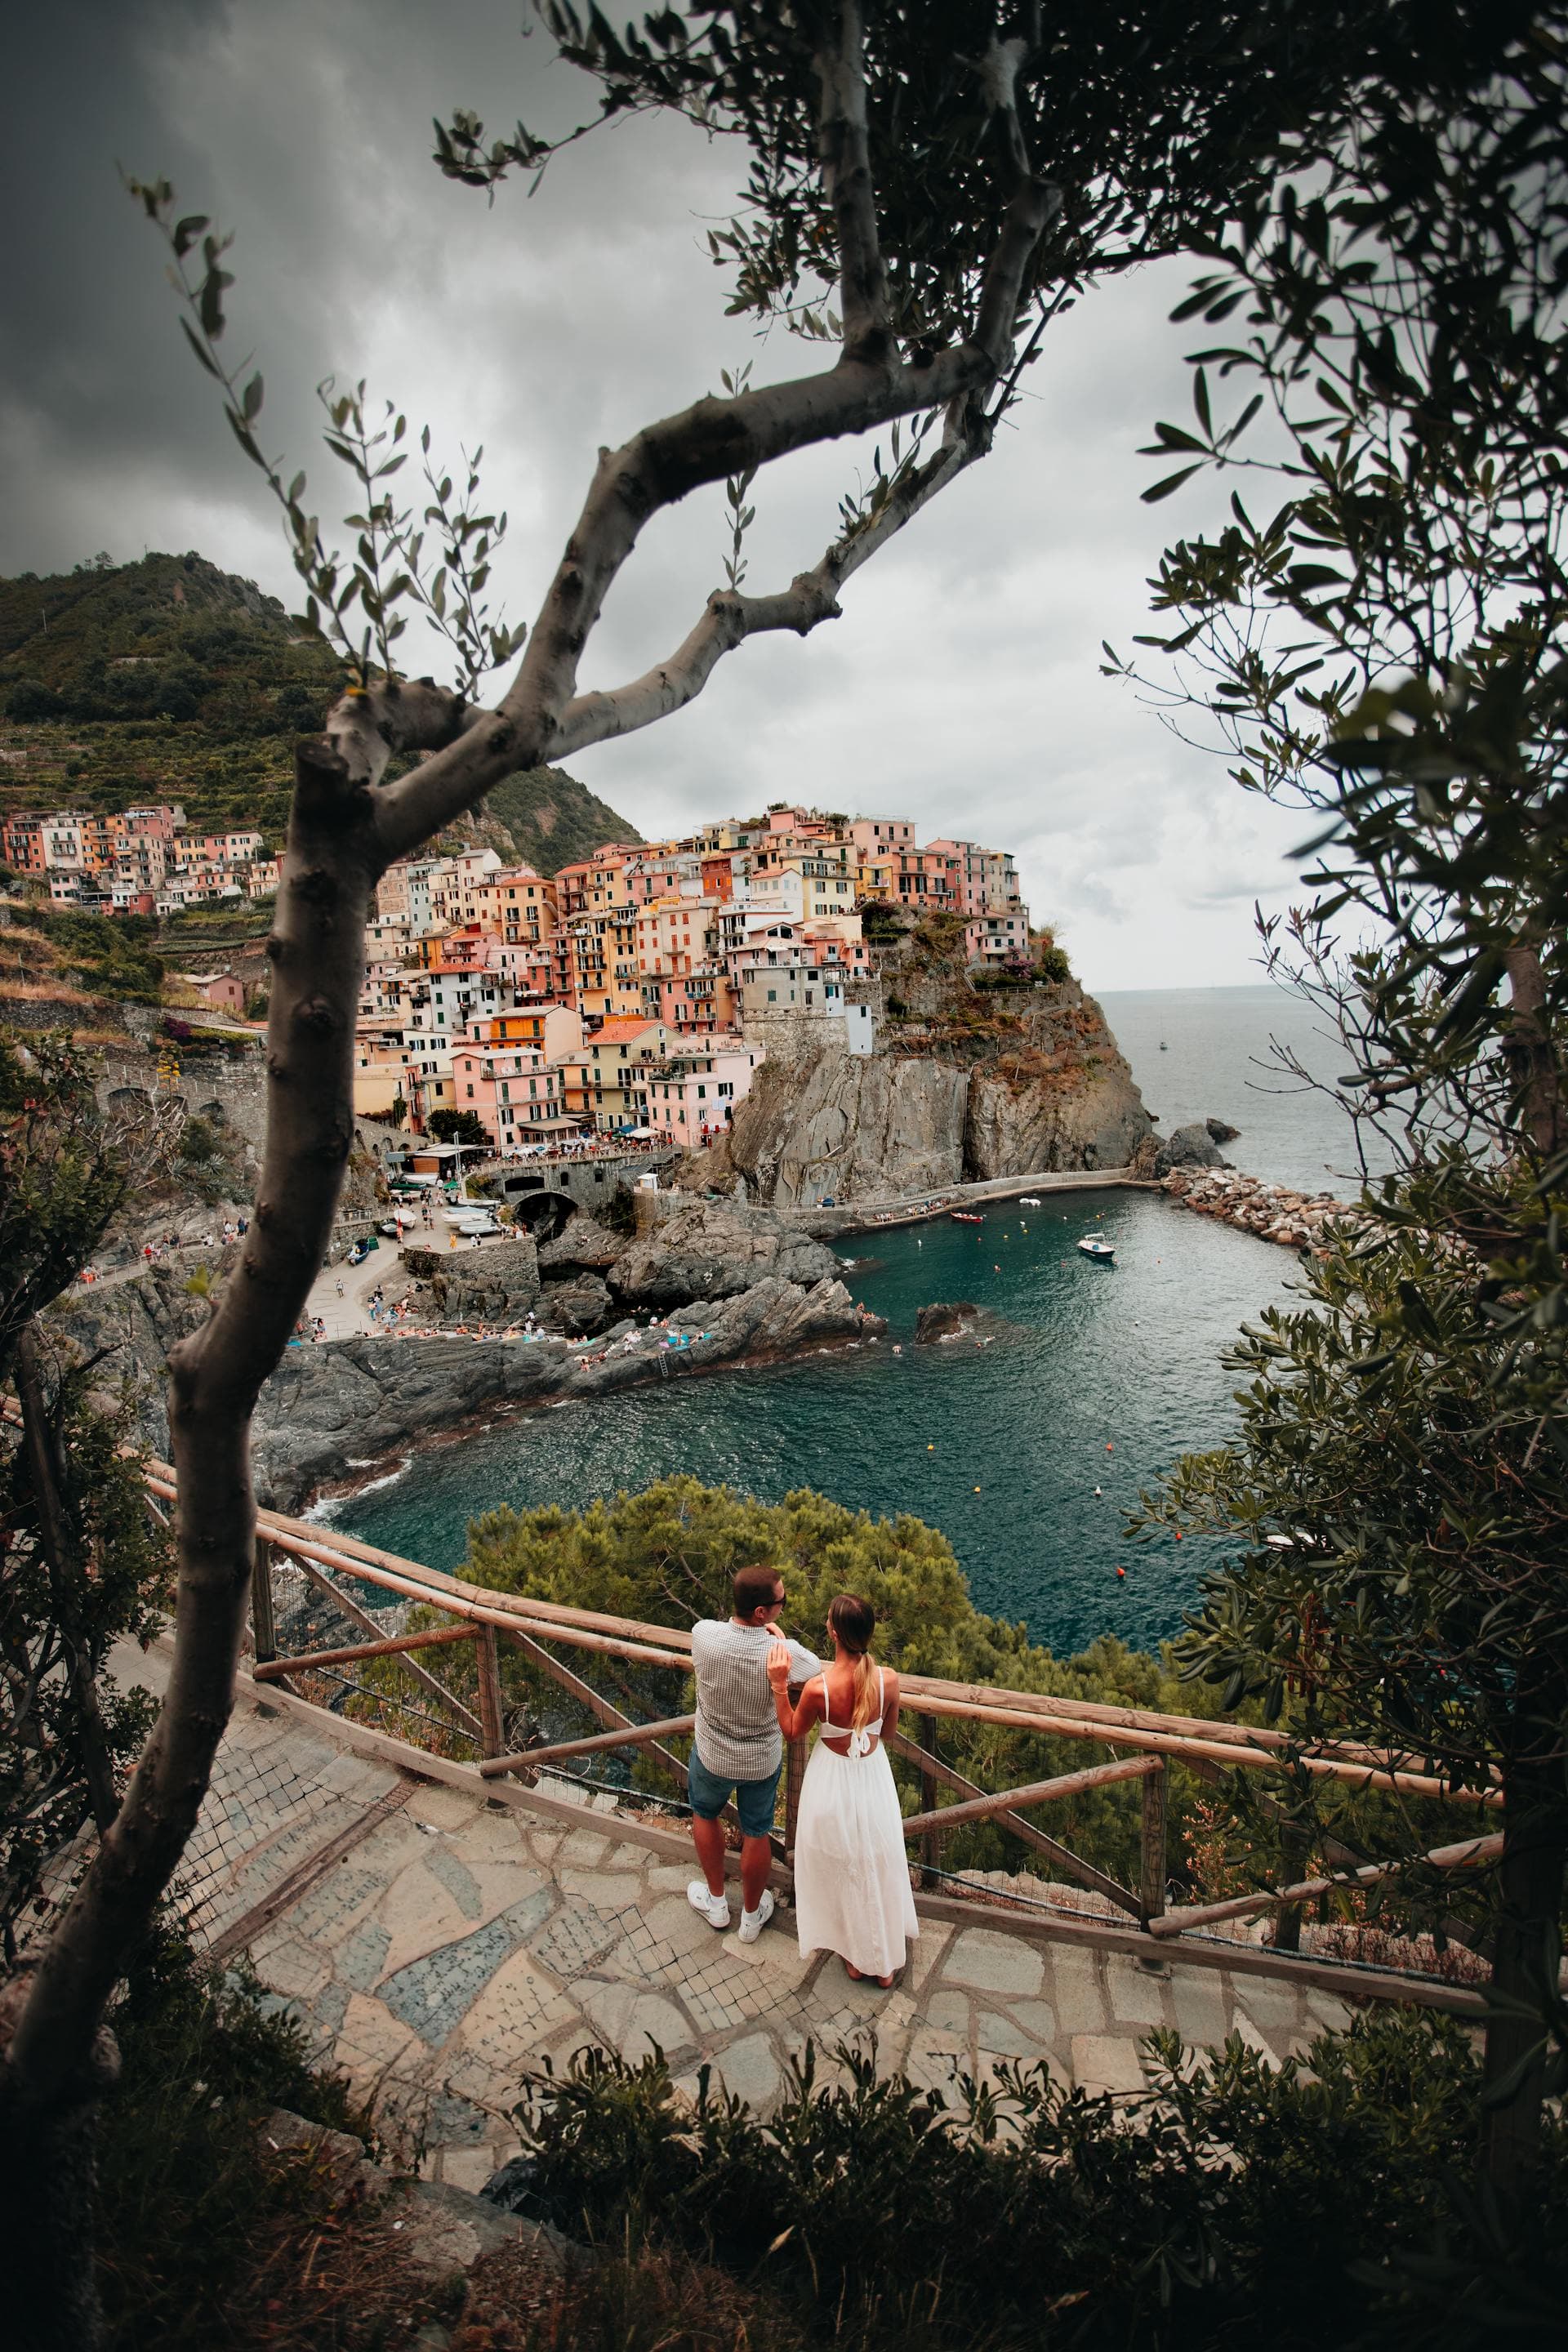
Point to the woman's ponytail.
(852, 1621)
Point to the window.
(470, 1094)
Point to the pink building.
(513, 1092)
(221, 990)
(997, 940)
(689, 1096)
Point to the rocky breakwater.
(970, 1079)
(1273, 1212)
(724, 1284)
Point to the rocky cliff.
(966, 1084)
(731, 1285)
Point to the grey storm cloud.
(962, 686)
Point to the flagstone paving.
(459, 1944)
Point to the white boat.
(1103, 1253)
(1030, 1202)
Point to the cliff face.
(962, 1087)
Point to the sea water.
(1029, 1452)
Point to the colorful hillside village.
(634, 994)
(138, 861)
(637, 993)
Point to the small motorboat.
(1103, 1253)
(1163, 1047)
(1030, 1202)
(965, 1217)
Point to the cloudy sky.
(962, 687)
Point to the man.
(738, 1747)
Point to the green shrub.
(667, 1555)
(199, 1142)
(1238, 2201)
(186, 2197)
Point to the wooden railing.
(537, 1630)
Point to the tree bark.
(1531, 1055)
(1535, 1853)
(316, 954)
(47, 2196)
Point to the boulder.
(716, 1249)
(495, 1284)
(1189, 1147)
(944, 1320)
(580, 1307)
(1219, 1132)
(583, 1242)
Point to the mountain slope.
(172, 681)
(551, 820)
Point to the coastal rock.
(1219, 1131)
(347, 1403)
(969, 1086)
(1273, 1212)
(367, 1399)
(945, 1319)
(715, 1249)
(583, 1242)
(1189, 1147)
(493, 1285)
(582, 1306)
(849, 1127)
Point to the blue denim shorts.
(753, 1799)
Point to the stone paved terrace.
(439, 1945)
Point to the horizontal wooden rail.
(634, 1735)
(1039, 1792)
(269, 1669)
(466, 1719)
(934, 1768)
(1470, 1854)
(597, 1703)
(1194, 1739)
(1177, 1746)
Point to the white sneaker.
(715, 1908)
(753, 1922)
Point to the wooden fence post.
(929, 1841)
(493, 1741)
(1152, 1860)
(263, 1632)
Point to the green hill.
(171, 680)
(551, 820)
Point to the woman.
(851, 1878)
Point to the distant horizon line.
(1197, 988)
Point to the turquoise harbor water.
(1088, 1357)
(1085, 1358)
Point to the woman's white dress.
(851, 1875)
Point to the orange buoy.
(1121, 1572)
